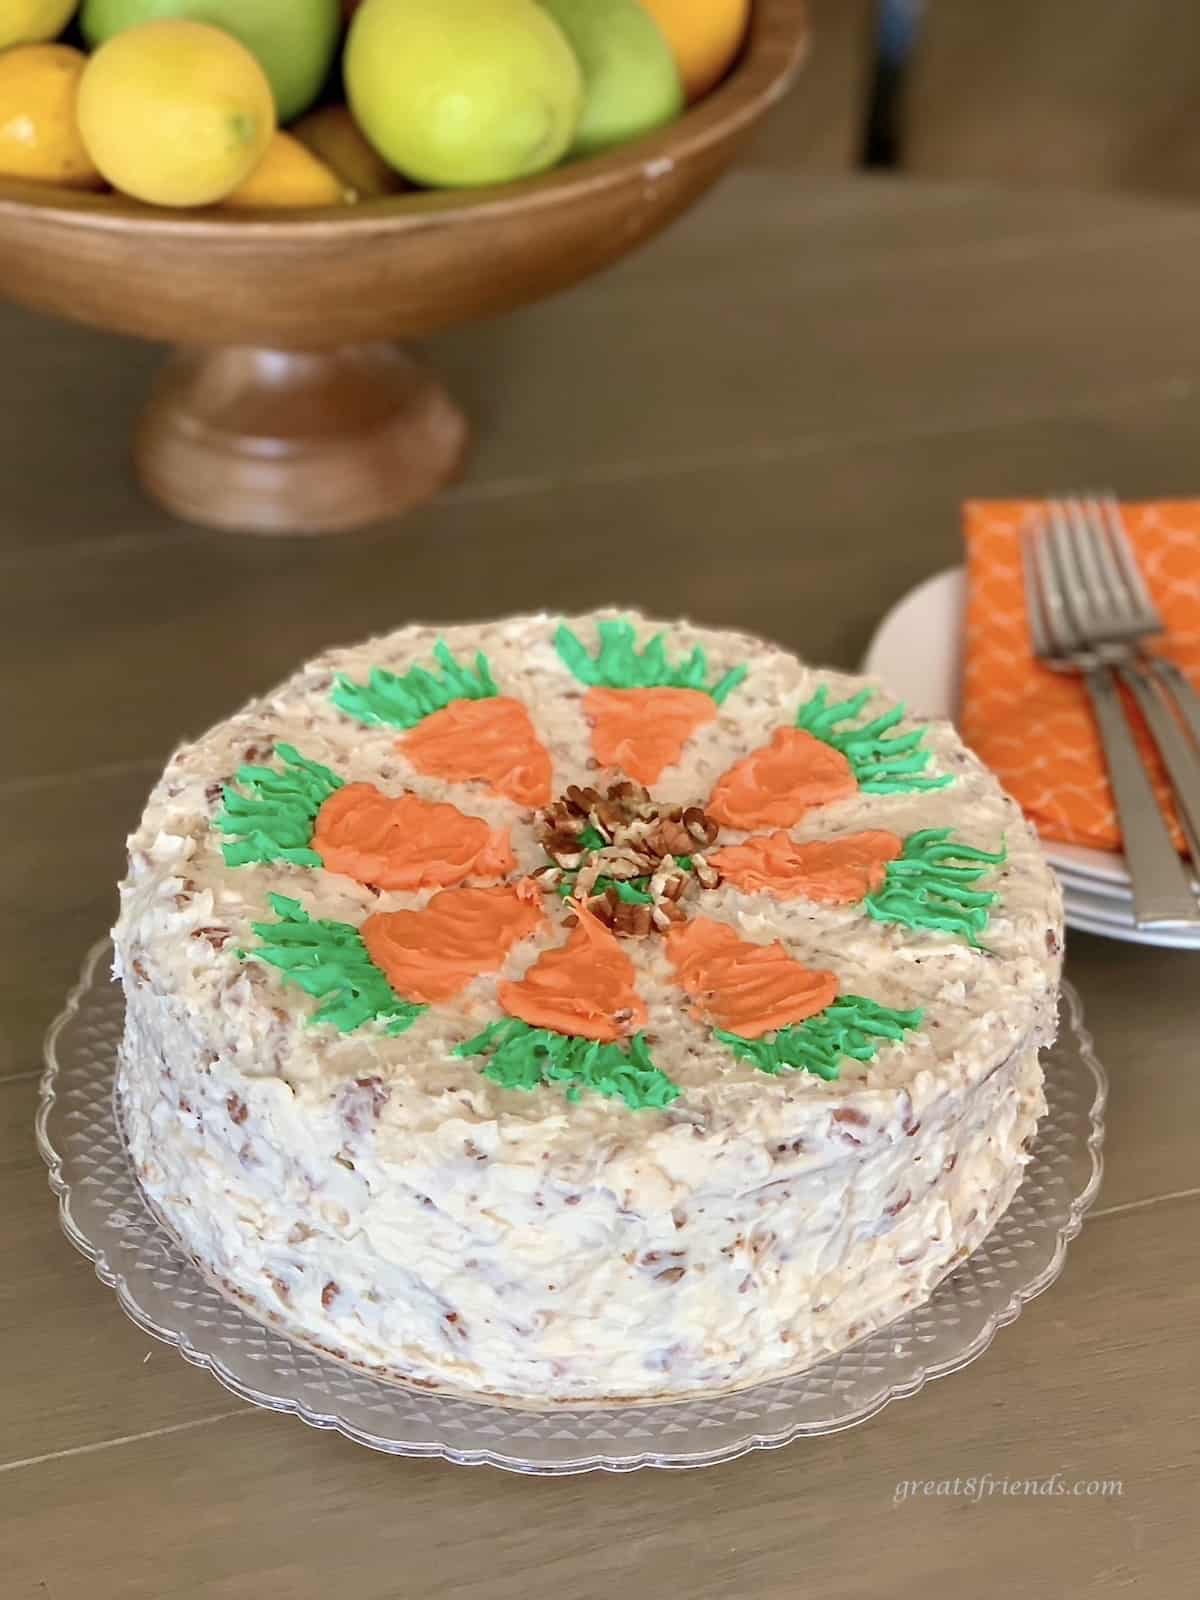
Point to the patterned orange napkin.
(1033, 727)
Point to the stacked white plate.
(917, 651)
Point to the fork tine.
(1055, 597)
(1123, 618)
(1059, 627)
(1126, 563)
(1091, 551)
(1063, 582)
(1179, 690)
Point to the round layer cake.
(582, 1009)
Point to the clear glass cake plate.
(104, 1215)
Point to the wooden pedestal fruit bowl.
(290, 405)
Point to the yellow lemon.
(32, 21)
(295, 40)
(176, 113)
(704, 34)
(460, 92)
(39, 136)
(289, 175)
(332, 135)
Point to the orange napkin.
(1033, 727)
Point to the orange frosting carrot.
(834, 872)
(644, 731)
(749, 989)
(584, 987)
(777, 783)
(491, 741)
(406, 842)
(432, 955)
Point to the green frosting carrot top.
(618, 664)
(402, 701)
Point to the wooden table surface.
(768, 419)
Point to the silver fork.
(1115, 613)
(1136, 606)
(1078, 624)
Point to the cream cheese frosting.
(377, 1195)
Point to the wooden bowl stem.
(283, 441)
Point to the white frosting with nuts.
(380, 1198)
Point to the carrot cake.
(579, 1009)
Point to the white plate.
(917, 648)
(1130, 933)
(1075, 884)
(1098, 866)
(1098, 910)
(1108, 899)
(917, 651)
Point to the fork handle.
(1181, 692)
(1179, 756)
(1162, 891)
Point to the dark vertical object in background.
(897, 23)
(818, 126)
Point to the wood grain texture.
(61, 871)
(112, 1378)
(1055, 91)
(768, 419)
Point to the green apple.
(294, 40)
(631, 81)
(460, 92)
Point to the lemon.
(33, 21)
(294, 40)
(289, 175)
(175, 113)
(39, 136)
(631, 82)
(457, 92)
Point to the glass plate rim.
(594, 1460)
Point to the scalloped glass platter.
(104, 1215)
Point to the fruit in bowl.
(290, 404)
(33, 21)
(460, 92)
(289, 174)
(175, 113)
(39, 127)
(385, 95)
(705, 37)
(295, 41)
(334, 137)
(631, 83)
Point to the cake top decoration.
(618, 664)
(619, 865)
(403, 700)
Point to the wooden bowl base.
(283, 441)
